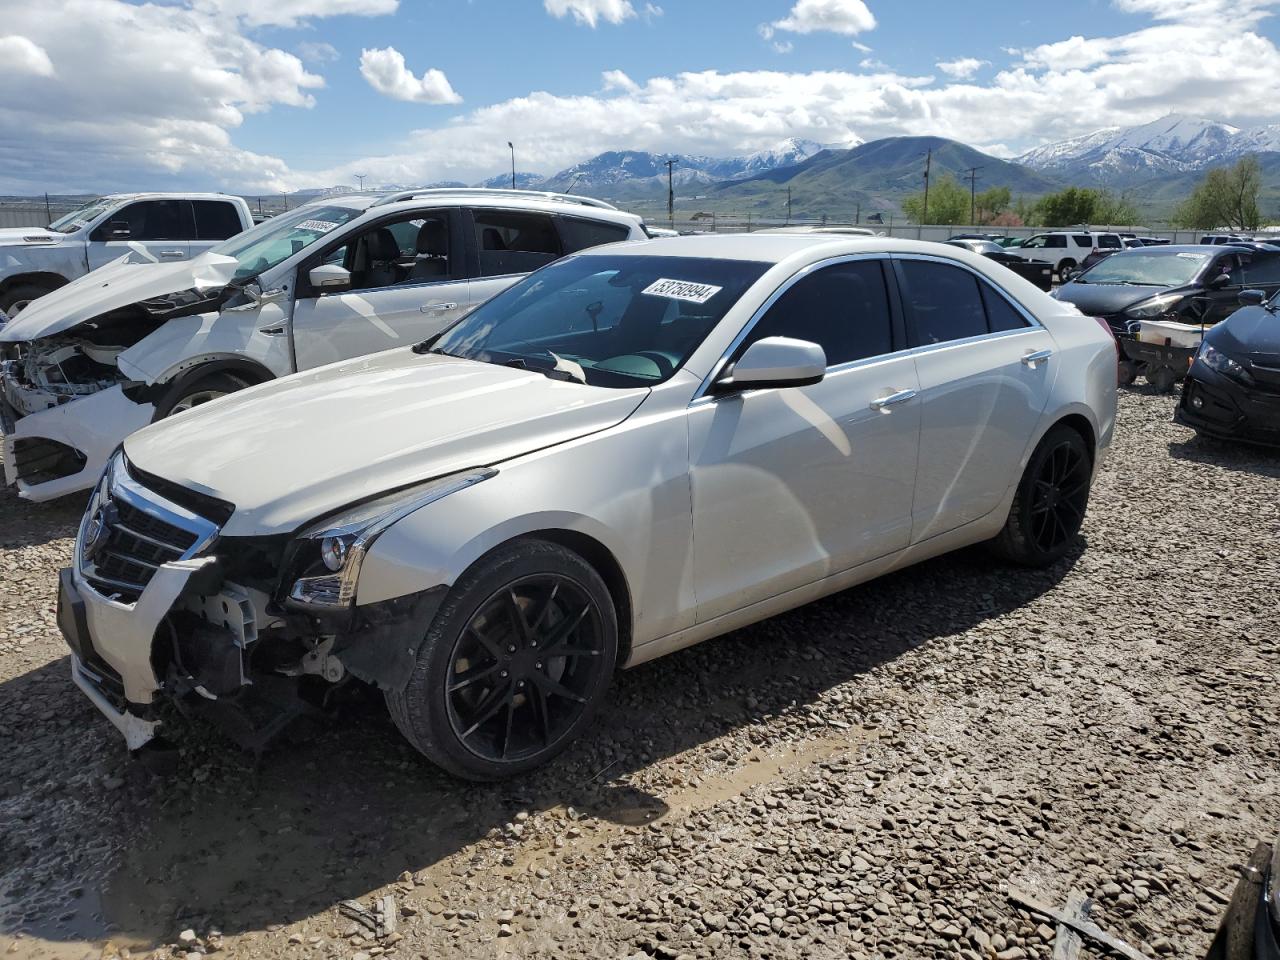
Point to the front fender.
(66, 260)
(186, 342)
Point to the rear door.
(408, 282)
(216, 220)
(162, 229)
(985, 368)
(508, 245)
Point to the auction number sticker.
(319, 226)
(682, 290)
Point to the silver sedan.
(631, 451)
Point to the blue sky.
(251, 95)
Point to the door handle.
(272, 331)
(1031, 359)
(172, 254)
(437, 307)
(900, 396)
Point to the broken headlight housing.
(1218, 361)
(329, 555)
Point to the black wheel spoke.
(538, 706)
(485, 641)
(488, 708)
(547, 603)
(563, 631)
(551, 688)
(467, 677)
(517, 617)
(511, 719)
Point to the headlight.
(1154, 306)
(330, 553)
(1219, 361)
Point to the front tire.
(185, 396)
(1067, 270)
(16, 298)
(514, 665)
(1049, 506)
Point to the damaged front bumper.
(63, 449)
(187, 633)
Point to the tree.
(1226, 197)
(1081, 205)
(948, 202)
(992, 203)
(1007, 219)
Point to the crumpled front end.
(159, 607)
(63, 410)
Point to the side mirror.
(1220, 281)
(330, 277)
(119, 230)
(1252, 298)
(776, 362)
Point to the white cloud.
(1050, 92)
(386, 72)
(591, 12)
(783, 46)
(19, 55)
(849, 17)
(290, 13)
(317, 51)
(617, 80)
(963, 68)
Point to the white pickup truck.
(165, 227)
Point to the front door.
(407, 283)
(795, 484)
(161, 229)
(985, 371)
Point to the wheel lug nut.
(511, 648)
(538, 665)
(520, 684)
(503, 674)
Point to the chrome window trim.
(701, 394)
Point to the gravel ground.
(864, 777)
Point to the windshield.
(276, 240)
(83, 215)
(610, 321)
(1148, 269)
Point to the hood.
(289, 451)
(135, 276)
(1101, 299)
(1249, 332)
(11, 236)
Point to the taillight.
(1101, 321)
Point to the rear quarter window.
(581, 234)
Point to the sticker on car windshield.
(682, 290)
(319, 226)
(1191, 256)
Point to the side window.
(512, 241)
(944, 301)
(843, 308)
(576, 234)
(1264, 269)
(1083, 240)
(1001, 314)
(156, 220)
(1057, 240)
(1109, 242)
(413, 249)
(216, 219)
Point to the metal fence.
(32, 214)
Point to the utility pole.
(973, 179)
(512, 148)
(857, 217)
(671, 192)
(360, 177)
(48, 214)
(788, 204)
(928, 162)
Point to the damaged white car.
(634, 449)
(140, 340)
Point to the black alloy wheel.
(524, 668)
(1050, 502)
(1060, 496)
(514, 664)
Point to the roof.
(771, 247)
(183, 194)
(478, 197)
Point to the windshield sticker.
(1191, 256)
(319, 226)
(682, 290)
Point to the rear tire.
(185, 396)
(1049, 506)
(1067, 270)
(1126, 372)
(14, 300)
(489, 697)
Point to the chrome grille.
(130, 531)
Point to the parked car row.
(640, 446)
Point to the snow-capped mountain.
(1173, 144)
(524, 181)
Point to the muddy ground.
(864, 777)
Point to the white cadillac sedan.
(633, 450)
